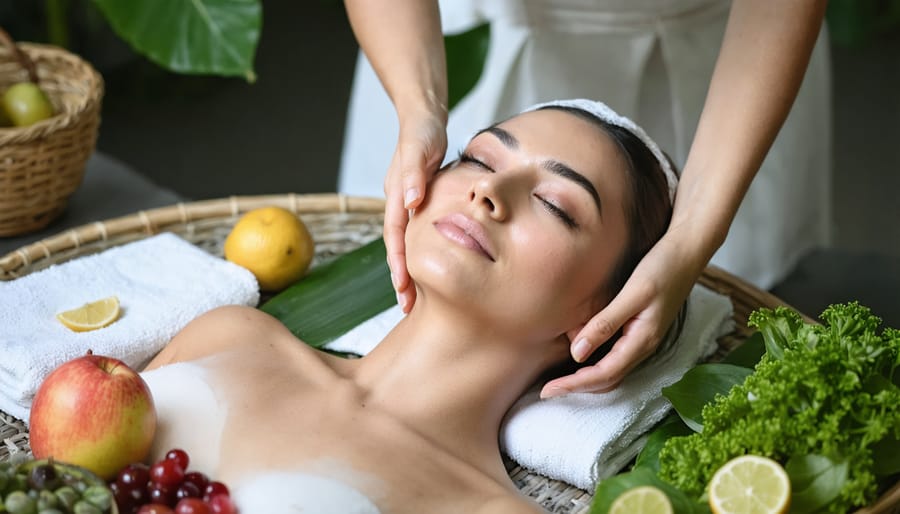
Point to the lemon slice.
(91, 316)
(750, 484)
(645, 499)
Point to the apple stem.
(19, 56)
(90, 352)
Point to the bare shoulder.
(510, 504)
(218, 330)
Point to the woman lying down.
(528, 234)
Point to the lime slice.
(645, 499)
(750, 484)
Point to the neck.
(450, 375)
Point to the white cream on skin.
(182, 394)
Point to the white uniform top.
(650, 60)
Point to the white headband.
(602, 111)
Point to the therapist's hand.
(421, 145)
(644, 309)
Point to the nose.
(487, 194)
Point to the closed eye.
(467, 158)
(558, 212)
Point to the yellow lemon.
(750, 484)
(91, 316)
(645, 499)
(273, 244)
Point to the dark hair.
(648, 209)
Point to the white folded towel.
(162, 283)
(581, 438)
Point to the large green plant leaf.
(466, 53)
(215, 37)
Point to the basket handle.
(19, 55)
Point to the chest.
(265, 429)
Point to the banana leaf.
(337, 296)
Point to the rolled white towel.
(162, 283)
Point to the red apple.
(94, 412)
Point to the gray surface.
(110, 189)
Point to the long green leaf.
(216, 37)
(699, 386)
(337, 296)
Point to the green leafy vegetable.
(701, 385)
(820, 390)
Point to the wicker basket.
(41, 165)
(338, 224)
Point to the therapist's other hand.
(421, 145)
(644, 309)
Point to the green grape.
(98, 496)
(18, 502)
(46, 500)
(83, 507)
(67, 497)
(50, 511)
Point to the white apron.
(650, 60)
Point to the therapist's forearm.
(764, 55)
(403, 41)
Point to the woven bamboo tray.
(338, 224)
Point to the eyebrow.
(553, 166)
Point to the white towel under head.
(162, 283)
(581, 438)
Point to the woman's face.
(525, 228)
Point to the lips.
(467, 232)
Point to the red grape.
(167, 472)
(192, 506)
(221, 504)
(215, 488)
(134, 475)
(198, 479)
(180, 456)
(128, 497)
(162, 494)
(187, 490)
(155, 508)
